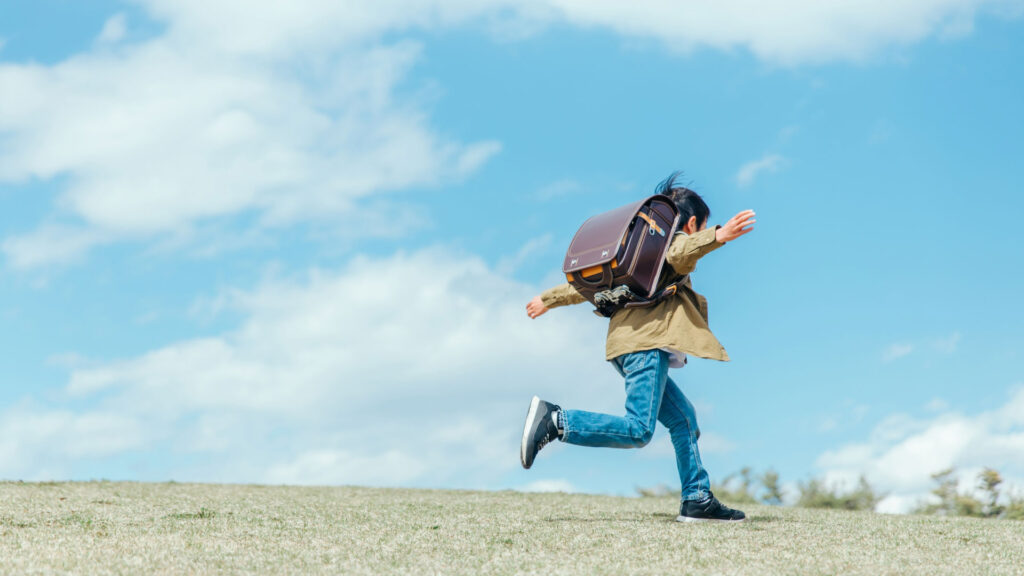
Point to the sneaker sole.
(530, 417)
(689, 519)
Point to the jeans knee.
(640, 433)
(643, 436)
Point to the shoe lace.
(717, 507)
(546, 439)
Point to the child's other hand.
(536, 307)
(737, 226)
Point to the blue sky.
(293, 244)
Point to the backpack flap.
(624, 247)
(597, 243)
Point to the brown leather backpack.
(616, 257)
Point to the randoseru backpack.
(616, 257)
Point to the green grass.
(127, 528)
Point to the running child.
(642, 344)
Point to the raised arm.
(562, 295)
(686, 250)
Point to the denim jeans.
(650, 395)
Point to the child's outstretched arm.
(737, 226)
(685, 251)
(562, 295)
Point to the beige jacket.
(680, 322)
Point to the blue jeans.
(650, 395)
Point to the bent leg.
(678, 415)
(646, 373)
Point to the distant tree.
(815, 494)
(1014, 509)
(737, 487)
(659, 491)
(989, 481)
(945, 491)
(951, 501)
(863, 497)
(772, 491)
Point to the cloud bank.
(902, 452)
(342, 377)
(283, 113)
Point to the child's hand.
(739, 225)
(536, 307)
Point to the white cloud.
(751, 170)
(828, 423)
(51, 245)
(897, 350)
(410, 369)
(158, 138)
(948, 344)
(553, 485)
(114, 29)
(34, 440)
(508, 265)
(903, 452)
(788, 32)
(287, 111)
(323, 467)
(558, 189)
(791, 32)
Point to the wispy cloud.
(945, 345)
(558, 189)
(507, 266)
(896, 351)
(851, 417)
(751, 170)
(114, 29)
(948, 344)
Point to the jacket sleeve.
(562, 295)
(685, 251)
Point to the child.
(642, 344)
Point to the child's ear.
(691, 225)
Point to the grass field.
(128, 528)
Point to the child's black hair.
(689, 202)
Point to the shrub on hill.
(816, 494)
(992, 503)
(742, 487)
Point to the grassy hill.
(128, 528)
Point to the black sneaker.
(710, 510)
(538, 431)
